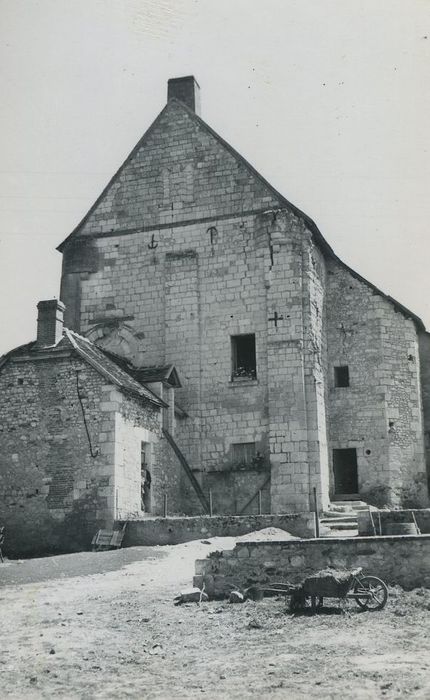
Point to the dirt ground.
(104, 626)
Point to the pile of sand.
(268, 534)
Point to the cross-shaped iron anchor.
(275, 318)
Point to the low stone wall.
(365, 527)
(397, 560)
(174, 530)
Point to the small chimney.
(187, 90)
(50, 321)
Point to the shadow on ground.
(16, 572)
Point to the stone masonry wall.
(182, 300)
(182, 275)
(134, 426)
(203, 293)
(187, 248)
(159, 531)
(316, 375)
(58, 483)
(379, 414)
(294, 280)
(407, 481)
(424, 354)
(232, 490)
(53, 493)
(178, 172)
(397, 560)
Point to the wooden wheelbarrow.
(369, 592)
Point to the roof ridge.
(115, 175)
(78, 335)
(309, 222)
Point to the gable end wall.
(380, 413)
(54, 495)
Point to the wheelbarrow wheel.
(375, 593)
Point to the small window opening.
(244, 454)
(244, 364)
(143, 454)
(341, 376)
(20, 381)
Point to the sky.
(328, 99)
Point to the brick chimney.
(50, 321)
(187, 90)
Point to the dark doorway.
(345, 472)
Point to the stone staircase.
(340, 519)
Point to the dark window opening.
(345, 471)
(341, 376)
(20, 381)
(244, 454)
(143, 454)
(244, 365)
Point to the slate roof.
(166, 373)
(108, 368)
(283, 202)
(95, 357)
(154, 373)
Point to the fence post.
(317, 517)
(260, 510)
(165, 506)
(210, 503)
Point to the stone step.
(342, 533)
(337, 522)
(349, 525)
(342, 501)
(340, 519)
(349, 504)
(349, 507)
(336, 515)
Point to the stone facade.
(70, 451)
(188, 249)
(397, 560)
(424, 364)
(173, 530)
(380, 413)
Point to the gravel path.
(67, 565)
(105, 627)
